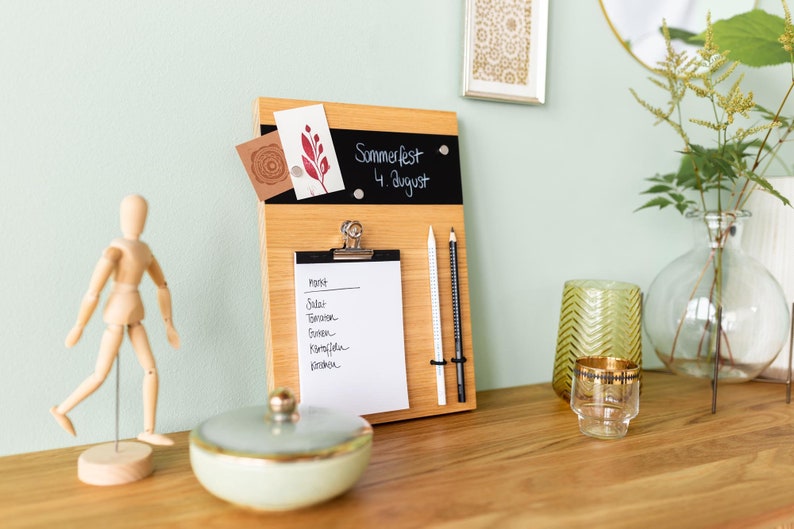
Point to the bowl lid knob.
(281, 406)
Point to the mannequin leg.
(140, 343)
(108, 350)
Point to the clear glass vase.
(716, 278)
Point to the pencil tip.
(452, 236)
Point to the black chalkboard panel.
(390, 168)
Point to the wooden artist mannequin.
(127, 259)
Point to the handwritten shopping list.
(351, 348)
(309, 150)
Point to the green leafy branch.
(728, 171)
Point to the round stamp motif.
(269, 165)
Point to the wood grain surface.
(287, 228)
(517, 461)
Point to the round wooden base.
(103, 465)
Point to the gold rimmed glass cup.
(605, 394)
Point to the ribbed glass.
(597, 318)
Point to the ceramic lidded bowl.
(280, 456)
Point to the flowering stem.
(744, 194)
(691, 297)
(716, 263)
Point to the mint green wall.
(102, 99)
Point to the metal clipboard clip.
(351, 249)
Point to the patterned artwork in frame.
(505, 50)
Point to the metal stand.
(118, 378)
(716, 361)
(115, 463)
(790, 344)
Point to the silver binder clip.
(351, 249)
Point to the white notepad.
(351, 346)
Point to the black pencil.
(459, 359)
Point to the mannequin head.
(133, 216)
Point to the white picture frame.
(504, 56)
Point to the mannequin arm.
(102, 271)
(164, 301)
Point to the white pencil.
(436, 312)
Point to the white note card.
(351, 346)
(309, 151)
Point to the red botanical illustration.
(315, 163)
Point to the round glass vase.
(716, 279)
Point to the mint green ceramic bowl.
(281, 456)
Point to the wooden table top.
(517, 461)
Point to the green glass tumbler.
(597, 318)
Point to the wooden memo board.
(390, 219)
